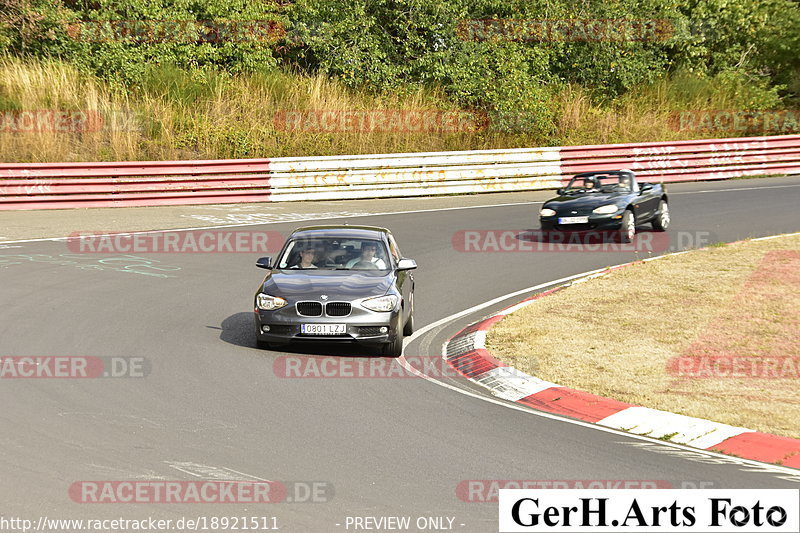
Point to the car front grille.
(309, 308)
(370, 331)
(337, 308)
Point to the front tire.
(627, 229)
(394, 348)
(661, 222)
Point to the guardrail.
(70, 185)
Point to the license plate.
(573, 220)
(323, 329)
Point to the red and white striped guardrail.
(70, 185)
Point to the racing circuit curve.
(388, 446)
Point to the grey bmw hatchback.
(337, 284)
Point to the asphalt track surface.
(388, 446)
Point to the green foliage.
(121, 39)
(483, 55)
(34, 27)
(755, 36)
(466, 48)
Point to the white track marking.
(211, 472)
(512, 388)
(309, 217)
(695, 432)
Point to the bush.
(120, 39)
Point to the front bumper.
(363, 326)
(596, 223)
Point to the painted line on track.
(210, 472)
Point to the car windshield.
(599, 183)
(330, 253)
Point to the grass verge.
(666, 334)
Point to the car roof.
(340, 231)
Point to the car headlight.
(381, 303)
(269, 303)
(547, 212)
(606, 209)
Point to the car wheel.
(628, 228)
(394, 348)
(661, 222)
(409, 327)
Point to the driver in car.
(368, 250)
(307, 254)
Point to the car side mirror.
(264, 262)
(406, 264)
(646, 186)
(559, 191)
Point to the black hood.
(586, 202)
(337, 284)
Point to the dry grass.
(614, 336)
(180, 115)
(183, 116)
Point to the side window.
(394, 250)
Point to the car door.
(405, 278)
(643, 206)
(649, 201)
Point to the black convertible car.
(337, 284)
(606, 201)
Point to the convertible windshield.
(334, 254)
(599, 183)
